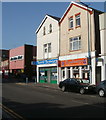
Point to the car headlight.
(85, 87)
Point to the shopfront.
(47, 71)
(75, 68)
(48, 75)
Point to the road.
(38, 102)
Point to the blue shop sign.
(53, 61)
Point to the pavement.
(29, 83)
(44, 85)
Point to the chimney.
(77, 1)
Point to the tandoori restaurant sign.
(73, 62)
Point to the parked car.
(76, 85)
(101, 88)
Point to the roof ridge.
(55, 17)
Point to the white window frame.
(77, 18)
(75, 41)
(49, 47)
(71, 24)
(47, 50)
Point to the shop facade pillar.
(93, 71)
(80, 72)
(59, 74)
(37, 74)
(66, 73)
(71, 72)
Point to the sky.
(21, 19)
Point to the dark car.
(101, 88)
(76, 85)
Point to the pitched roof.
(81, 5)
(90, 7)
(78, 4)
(54, 17)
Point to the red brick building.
(20, 61)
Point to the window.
(45, 48)
(75, 43)
(77, 20)
(50, 28)
(71, 22)
(44, 31)
(49, 47)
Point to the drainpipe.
(89, 48)
(89, 45)
(58, 68)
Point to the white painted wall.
(102, 24)
(52, 38)
(102, 19)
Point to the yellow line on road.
(11, 112)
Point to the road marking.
(11, 112)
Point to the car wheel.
(63, 88)
(101, 93)
(82, 91)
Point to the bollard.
(26, 80)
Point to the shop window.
(75, 43)
(68, 72)
(63, 73)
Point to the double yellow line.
(11, 112)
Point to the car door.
(73, 85)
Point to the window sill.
(70, 29)
(74, 50)
(78, 26)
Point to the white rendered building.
(48, 50)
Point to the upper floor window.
(49, 47)
(45, 48)
(78, 23)
(44, 30)
(75, 43)
(71, 22)
(50, 28)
